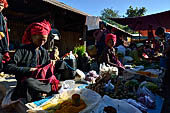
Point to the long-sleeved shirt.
(4, 46)
(27, 57)
(109, 57)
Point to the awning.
(143, 22)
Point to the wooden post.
(85, 34)
(139, 35)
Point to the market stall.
(137, 89)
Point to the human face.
(39, 40)
(110, 43)
(141, 48)
(1, 6)
(102, 26)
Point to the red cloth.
(6, 57)
(5, 3)
(42, 28)
(46, 74)
(110, 36)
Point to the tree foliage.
(131, 12)
(134, 12)
(110, 13)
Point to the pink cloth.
(42, 28)
(110, 36)
(46, 74)
(6, 57)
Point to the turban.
(110, 36)
(39, 28)
(5, 3)
(139, 45)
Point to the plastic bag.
(109, 87)
(120, 105)
(107, 68)
(147, 101)
(90, 97)
(143, 91)
(91, 76)
(67, 85)
(146, 97)
(137, 104)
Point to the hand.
(0, 37)
(53, 62)
(33, 69)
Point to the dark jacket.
(25, 58)
(4, 47)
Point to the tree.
(109, 13)
(131, 12)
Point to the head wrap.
(39, 28)
(139, 45)
(110, 36)
(5, 3)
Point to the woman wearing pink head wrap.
(42, 28)
(109, 53)
(31, 63)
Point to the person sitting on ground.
(28, 61)
(109, 53)
(138, 54)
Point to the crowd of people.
(31, 61)
(116, 52)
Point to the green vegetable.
(132, 83)
(79, 50)
(151, 86)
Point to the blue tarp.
(159, 105)
(143, 37)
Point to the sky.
(94, 7)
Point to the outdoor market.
(57, 59)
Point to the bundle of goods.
(108, 69)
(109, 105)
(91, 76)
(104, 86)
(98, 86)
(71, 101)
(74, 105)
(148, 74)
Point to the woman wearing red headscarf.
(4, 39)
(29, 60)
(109, 54)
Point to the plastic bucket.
(68, 72)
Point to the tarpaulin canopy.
(143, 22)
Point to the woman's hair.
(5, 3)
(160, 30)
